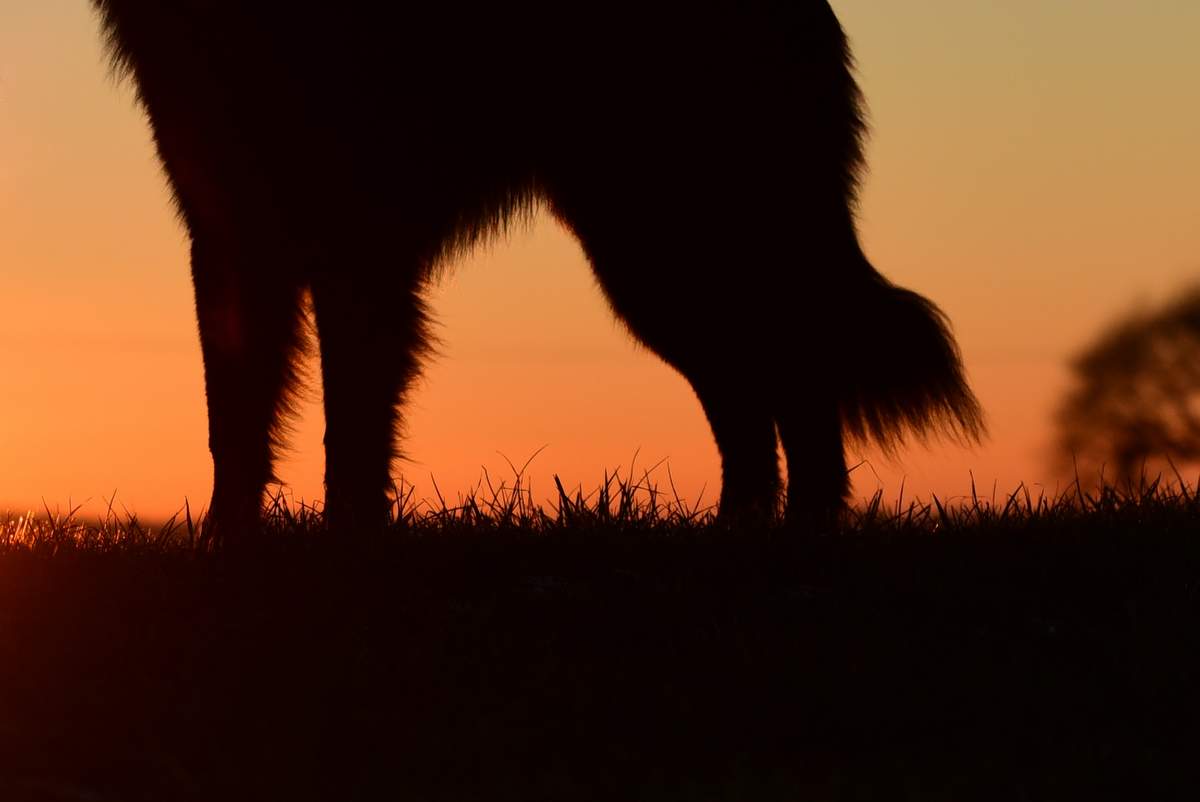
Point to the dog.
(706, 156)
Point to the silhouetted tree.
(1136, 400)
(706, 155)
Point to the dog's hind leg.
(677, 300)
(745, 437)
(817, 481)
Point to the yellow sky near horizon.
(1033, 170)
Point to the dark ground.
(1043, 661)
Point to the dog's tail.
(902, 372)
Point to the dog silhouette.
(707, 157)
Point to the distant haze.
(1034, 170)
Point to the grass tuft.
(621, 506)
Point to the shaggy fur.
(707, 157)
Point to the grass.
(621, 645)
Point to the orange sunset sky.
(1035, 170)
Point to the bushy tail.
(902, 372)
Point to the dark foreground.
(1044, 657)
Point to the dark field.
(1012, 652)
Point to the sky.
(1033, 170)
